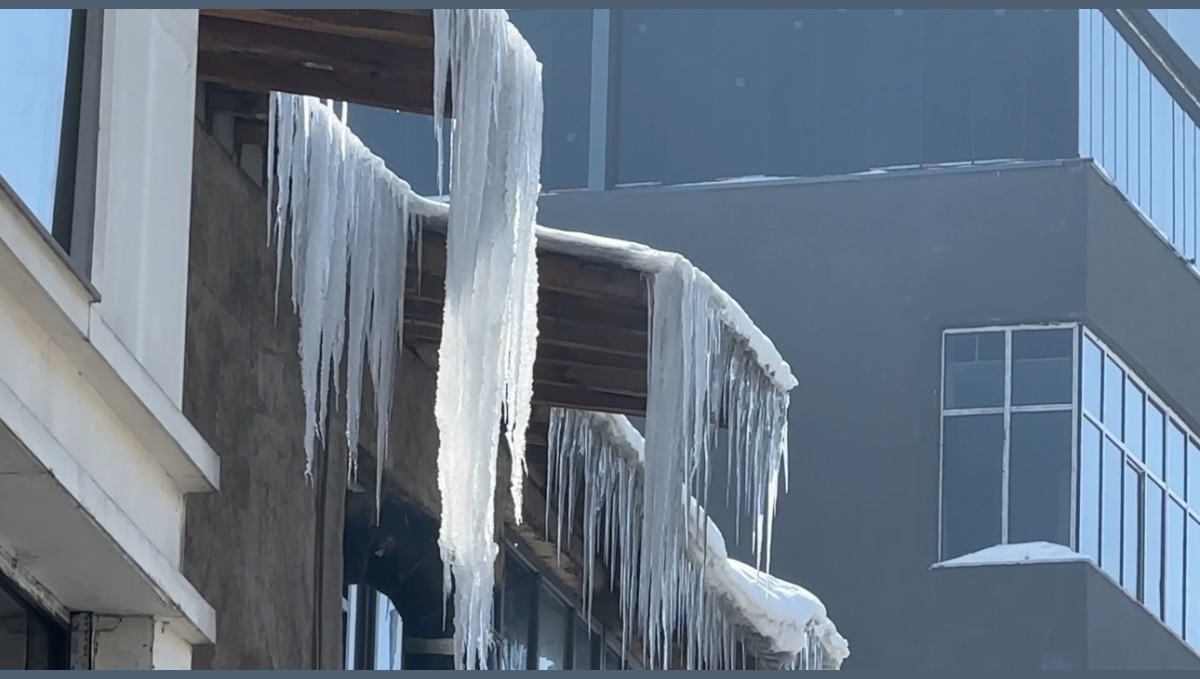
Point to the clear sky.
(33, 66)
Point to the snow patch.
(1023, 553)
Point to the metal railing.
(1138, 119)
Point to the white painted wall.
(138, 643)
(144, 183)
(95, 453)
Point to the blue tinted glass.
(1089, 490)
(1114, 396)
(1042, 367)
(1131, 518)
(1173, 576)
(1039, 478)
(1155, 421)
(972, 456)
(1176, 462)
(1112, 478)
(1193, 474)
(974, 370)
(34, 45)
(1192, 626)
(1092, 373)
(1152, 592)
(1134, 405)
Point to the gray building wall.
(1048, 616)
(855, 279)
(266, 549)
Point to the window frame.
(71, 226)
(601, 638)
(1171, 494)
(1007, 409)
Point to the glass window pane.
(516, 621)
(1092, 371)
(1155, 421)
(1176, 447)
(1173, 576)
(1192, 626)
(389, 634)
(1152, 591)
(612, 661)
(1112, 477)
(1193, 473)
(1042, 367)
(1089, 490)
(972, 452)
(562, 39)
(1131, 519)
(974, 370)
(34, 46)
(1039, 481)
(1135, 400)
(553, 622)
(1114, 396)
(582, 654)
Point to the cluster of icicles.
(348, 222)
(639, 513)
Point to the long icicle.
(489, 329)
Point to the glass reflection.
(1134, 415)
(1155, 421)
(1042, 366)
(34, 50)
(1176, 447)
(974, 370)
(1152, 555)
(1092, 367)
(1089, 491)
(1112, 479)
(1192, 613)
(1114, 397)
(1131, 502)
(1174, 570)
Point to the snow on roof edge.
(777, 610)
(649, 260)
(1016, 554)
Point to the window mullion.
(1076, 423)
(1004, 464)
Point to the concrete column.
(128, 643)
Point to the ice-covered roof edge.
(651, 261)
(786, 615)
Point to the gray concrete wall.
(1123, 635)
(855, 280)
(266, 550)
(1029, 617)
(1143, 299)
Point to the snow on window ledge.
(1017, 554)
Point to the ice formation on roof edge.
(710, 598)
(338, 210)
(489, 329)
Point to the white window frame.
(1007, 410)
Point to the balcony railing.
(1138, 118)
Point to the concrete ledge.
(124, 573)
(34, 268)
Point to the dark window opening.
(972, 454)
(29, 639)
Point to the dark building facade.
(643, 96)
(987, 356)
(997, 353)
